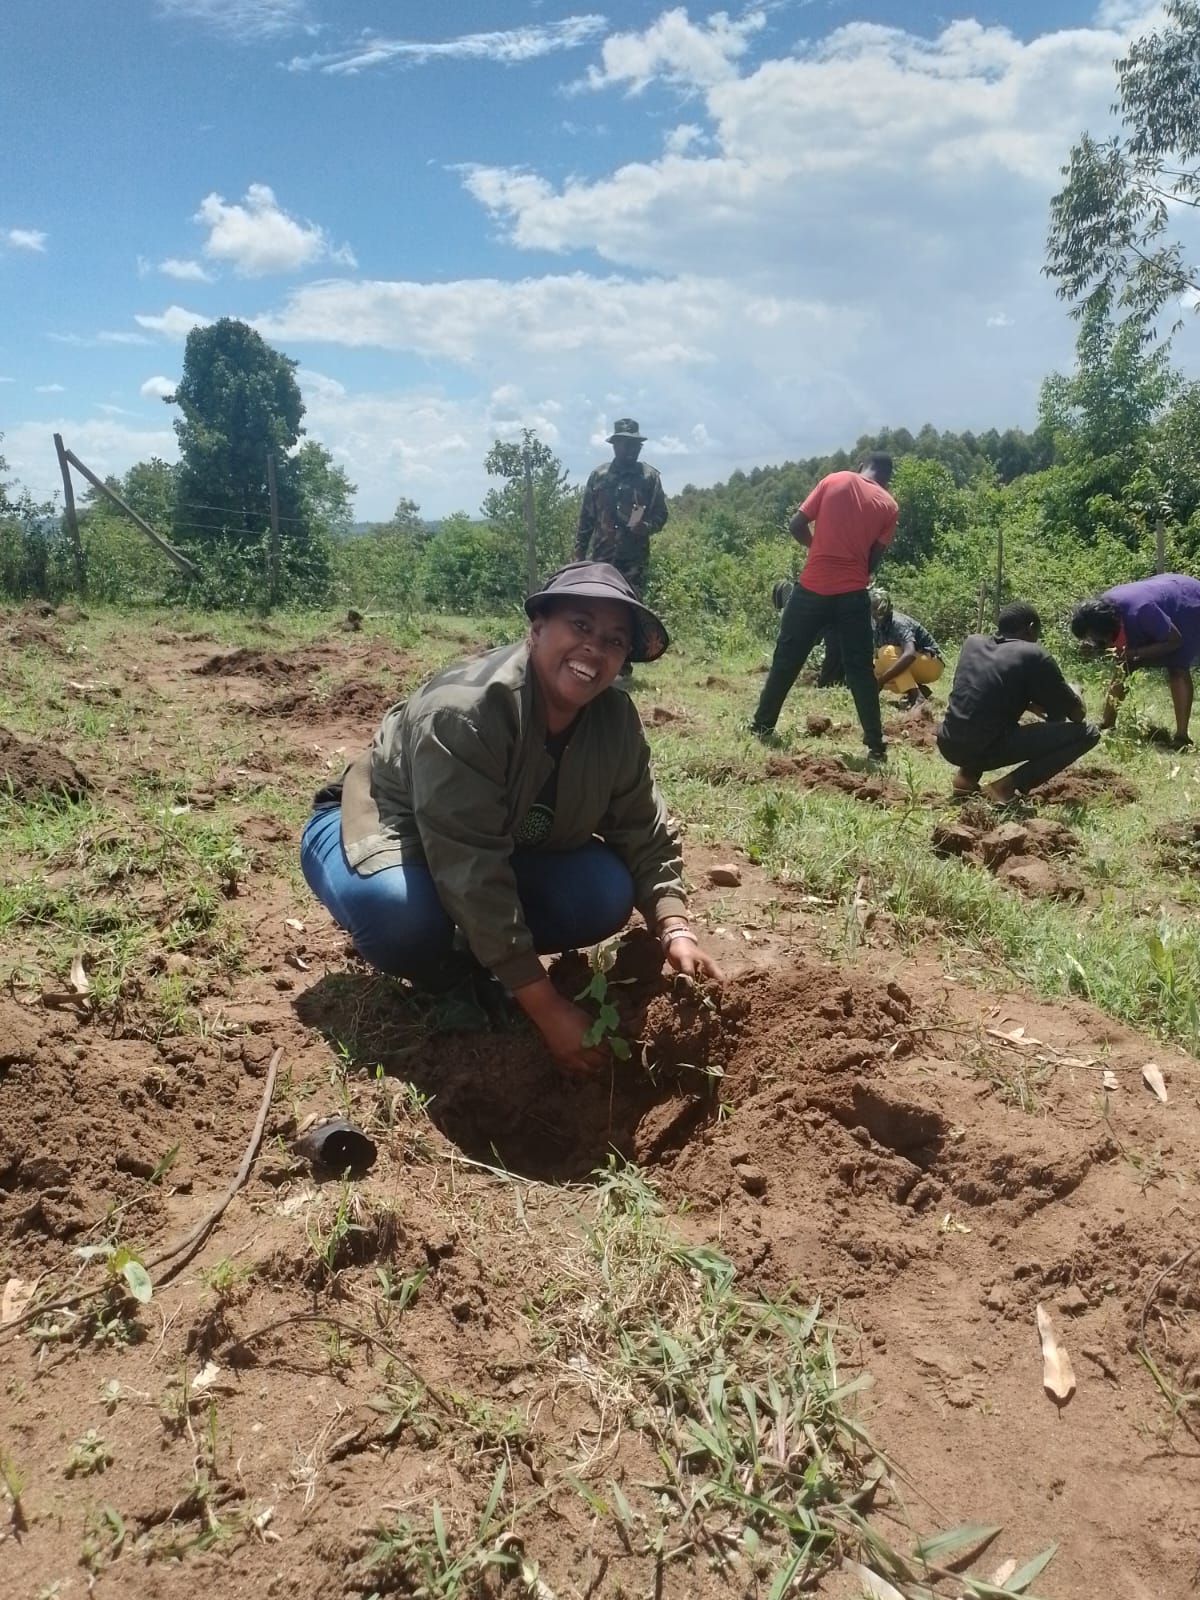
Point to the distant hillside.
(769, 495)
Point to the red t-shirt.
(850, 515)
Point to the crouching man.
(998, 678)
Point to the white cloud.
(239, 19)
(508, 47)
(184, 271)
(999, 319)
(7, 380)
(871, 149)
(174, 322)
(257, 237)
(25, 239)
(158, 388)
(676, 50)
(105, 336)
(49, 388)
(105, 443)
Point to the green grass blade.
(968, 1534)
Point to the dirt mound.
(916, 727)
(1025, 855)
(247, 662)
(1087, 786)
(27, 633)
(662, 716)
(830, 772)
(28, 769)
(357, 700)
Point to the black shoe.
(766, 736)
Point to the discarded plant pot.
(336, 1145)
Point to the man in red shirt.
(846, 523)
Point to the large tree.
(241, 405)
(1114, 242)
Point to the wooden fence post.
(273, 492)
(72, 518)
(531, 562)
(189, 568)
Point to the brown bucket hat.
(597, 580)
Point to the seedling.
(89, 1454)
(605, 1028)
(16, 1481)
(123, 1268)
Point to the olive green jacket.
(451, 773)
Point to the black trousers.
(1045, 748)
(844, 618)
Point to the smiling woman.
(508, 809)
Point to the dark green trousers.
(846, 620)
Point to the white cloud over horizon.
(32, 239)
(817, 236)
(506, 47)
(257, 237)
(239, 19)
(158, 387)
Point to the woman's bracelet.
(672, 934)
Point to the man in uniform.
(623, 504)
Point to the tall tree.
(1113, 241)
(241, 403)
(555, 505)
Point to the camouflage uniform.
(612, 492)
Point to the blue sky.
(761, 231)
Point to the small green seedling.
(605, 1029)
(16, 1481)
(123, 1267)
(89, 1454)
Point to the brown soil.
(1027, 855)
(829, 772)
(1089, 785)
(28, 769)
(916, 727)
(864, 1142)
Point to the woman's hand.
(562, 1025)
(683, 952)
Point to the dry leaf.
(1058, 1376)
(294, 924)
(79, 978)
(297, 961)
(179, 811)
(17, 1295)
(206, 1377)
(1003, 1572)
(1110, 1081)
(878, 1588)
(1016, 1036)
(1154, 1080)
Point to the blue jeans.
(397, 922)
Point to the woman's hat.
(597, 580)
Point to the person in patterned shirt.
(623, 504)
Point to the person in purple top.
(1154, 622)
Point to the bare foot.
(963, 783)
(1000, 792)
